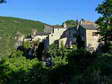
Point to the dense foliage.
(76, 66)
(17, 68)
(105, 21)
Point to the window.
(94, 34)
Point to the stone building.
(61, 34)
(56, 34)
(88, 33)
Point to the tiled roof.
(87, 22)
(89, 26)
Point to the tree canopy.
(71, 23)
(105, 21)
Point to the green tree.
(71, 23)
(17, 69)
(58, 55)
(105, 21)
(26, 44)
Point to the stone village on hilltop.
(85, 30)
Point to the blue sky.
(51, 11)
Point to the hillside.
(9, 26)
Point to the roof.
(87, 22)
(57, 26)
(42, 33)
(89, 26)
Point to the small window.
(94, 34)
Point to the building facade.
(61, 34)
(88, 33)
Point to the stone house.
(88, 33)
(68, 38)
(61, 34)
(56, 34)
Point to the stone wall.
(56, 35)
(92, 39)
